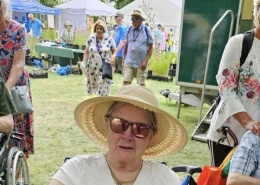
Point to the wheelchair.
(13, 164)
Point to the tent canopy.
(167, 12)
(32, 6)
(89, 7)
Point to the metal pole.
(209, 52)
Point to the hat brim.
(170, 138)
(138, 15)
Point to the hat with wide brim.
(138, 13)
(170, 137)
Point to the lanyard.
(135, 37)
(98, 44)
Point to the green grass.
(57, 135)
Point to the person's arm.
(114, 52)
(18, 59)
(120, 45)
(122, 39)
(6, 123)
(16, 70)
(125, 52)
(85, 56)
(43, 26)
(149, 54)
(247, 122)
(240, 179)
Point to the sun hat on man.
(170, 137)
(138, 13)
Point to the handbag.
(20, 96)
(106, 70)
(214, 175)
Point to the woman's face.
(99, 30)
(125, 146)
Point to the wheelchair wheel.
(17, 169)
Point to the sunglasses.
(134, 19)
(119, 126)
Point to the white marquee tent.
(167, 12)
(76, 11)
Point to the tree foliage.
(121, 3)
(49, 3)
(148, 10)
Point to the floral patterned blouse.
(239, 88)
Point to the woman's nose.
(128, 133)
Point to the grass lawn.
(56, 134)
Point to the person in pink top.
(162, 46)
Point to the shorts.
(130, 72)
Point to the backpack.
(246, 47)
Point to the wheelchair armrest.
(188, 169)
(67, 158)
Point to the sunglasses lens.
(134, 19)
(140, 130)
(118, 125)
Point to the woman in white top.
(239, 88)
(132, 126)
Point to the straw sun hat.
(138, 13)
(169, 138)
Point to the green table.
(58, 51)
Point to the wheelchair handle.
(188, 169)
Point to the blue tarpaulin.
(32, 6)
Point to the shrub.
(160, 63)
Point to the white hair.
(256, 4)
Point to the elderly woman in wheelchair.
(132, 126)
(13, 165)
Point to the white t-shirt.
(93, 170)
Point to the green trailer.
(205, 29)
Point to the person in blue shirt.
(158, 36)
(35, 26)
(137, 51)
(245, 163)
(119, 38)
